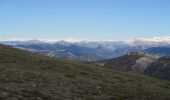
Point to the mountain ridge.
(140, 62)
(79, 51)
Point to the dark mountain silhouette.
(159, 51)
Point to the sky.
(84, 19)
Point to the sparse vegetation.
(28, 76)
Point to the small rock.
(4, 94)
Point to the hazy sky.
(84, 19)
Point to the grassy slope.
(29, 76)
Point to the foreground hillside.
(27, 76)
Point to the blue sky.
(84, 19)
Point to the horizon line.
(70, 39)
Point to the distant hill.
(142, 63)
(63, 51)
(159, 51)
(134, 61)
(28, 76)
(68, 55)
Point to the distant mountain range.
(88, 51)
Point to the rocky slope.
(160, 68)
(133, 61)
(140, 62)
